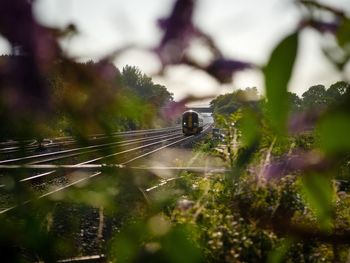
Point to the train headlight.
(184, 123)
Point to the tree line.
(80, 99)
(317, 97)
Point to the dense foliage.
(290, 189)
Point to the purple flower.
(276, 170)
(298, 162)
(163, 23)
(303, 121)
(321, 26)
(20, 28)
(178, 31)
(173, 110)
(223, 69)
(106, 71)
(325, 27)
(34, 47)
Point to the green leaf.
(250, 127)
(277, 74)
(319, 193)
(334, 133)
(179, 248)
(343, 33)
(278, 254)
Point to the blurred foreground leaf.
(249, 126)
(139, 243)
(319, 194)
(343, 33)
(279, 253)
(334, 133)
(277, 74)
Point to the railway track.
(28, 146)
(124, 149)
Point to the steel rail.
(89, 161)
(73, 183)
(95, 159)
(122, 165)
(104, 146)
(68, 140)
(68, 151)
(115, 166)
(51, 192)
(31, 141)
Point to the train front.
(191, 123)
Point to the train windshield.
(190, 119)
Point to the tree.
(229, 103)
(314, 97)
(295, 101)
(142, 86)
(336, 92)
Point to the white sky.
(243, 29)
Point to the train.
(192, 122)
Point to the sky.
(243, 29)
